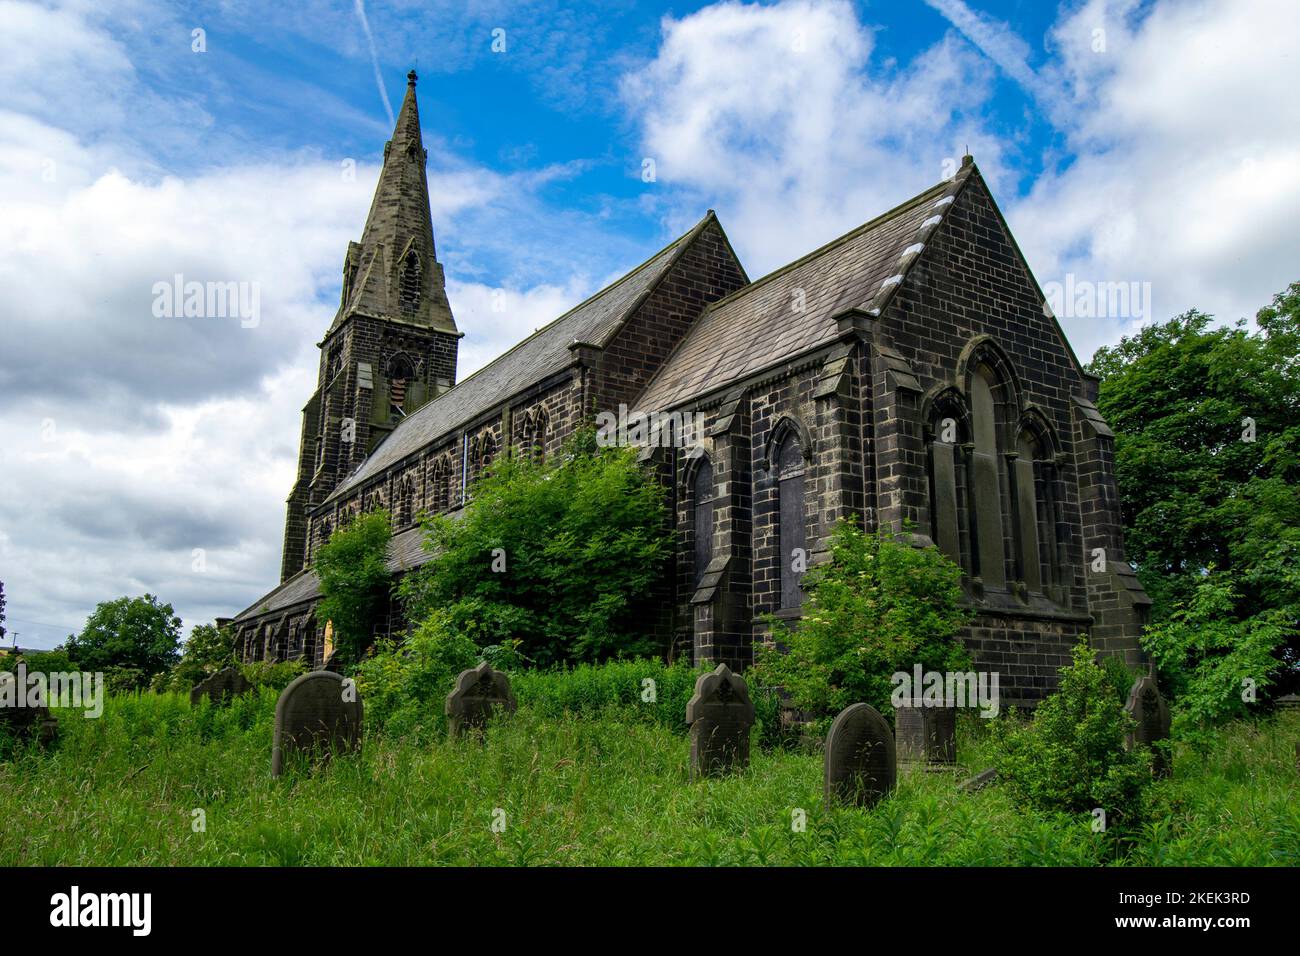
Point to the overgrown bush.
(562, 558)
(1071, 757)
(879, 606)
(404, 686)
(355, 581)
(275, 675)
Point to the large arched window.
(793, 535)
(702, 506)
(947, 441)
(986, 481)
(1033, 483)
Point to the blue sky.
(1143, 142)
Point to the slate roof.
(405, 551)
(756, 326)
(543, 353)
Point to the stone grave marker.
(720, 715)
(1151, 712)
(220, 688)
(478, 694)
(317, 712)
(860, 762)
(28, 721)
(926, 736)
(985, 778)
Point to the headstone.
(28, 721)
(221, 688)
(720, 715)
(317, 712)
(1149, 710)
(926, 735)
(860, 761)
(1289, 702)
(981, 780)
(479, 693)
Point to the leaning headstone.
(860, 761)
(21, 716)
(1151, 714)
(479, 693)
(221, 688)
(926, 736)
(720, 715)
(984, 778)
(318, 712)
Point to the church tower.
(392, 345)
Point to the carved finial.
(411, 78)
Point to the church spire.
(394, 271)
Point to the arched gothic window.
(793, 536)
(702, 506)
(1033, 484)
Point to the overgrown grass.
(593, 789)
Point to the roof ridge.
(828, 246)
(422, 411)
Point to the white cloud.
(777, 116)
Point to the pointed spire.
(394, 271)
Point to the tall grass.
(576, 788)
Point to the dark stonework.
(860, 766)
(926, 735)
(25, 722)
(312, 715)
(720, 715)
(220, 688)
(1148, 708)
(479, 693)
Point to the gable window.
(793, 535)
(989, 550)
(702, 494)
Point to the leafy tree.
(557, 560)
(1207, 458)
(879, 606)
(1071, 758)
(209, 649)
(355, 581)
(132, 638)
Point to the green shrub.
(355, 581)
(562, 558)
(1119, 676)
(274, 675)
(1071, 757)
(879, 606)
(404, 686)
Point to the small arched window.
(793, 535)
(702, 498)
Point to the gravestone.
(314, 714)
(860, 761)
(926, 735)
(220, 688)
(26, 722)
(720, 715)
(1151, 713)
(1289, 702)
(479, 693)
(985, 778)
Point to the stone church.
(909, 373)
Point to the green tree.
(1207, 458)
(355, 581)
(209, 649)
(879, 606)
(559, 561)
(133, 637)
